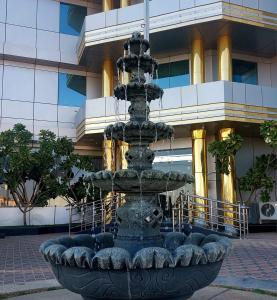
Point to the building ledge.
(194, 104)
(118, 24)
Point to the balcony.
(218, 101)
(249, 22)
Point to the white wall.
(94, 86)
(12, 216)
(29, 95)
(26, 30)
(273, 72)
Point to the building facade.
(217, 65)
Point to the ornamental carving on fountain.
(139, 262)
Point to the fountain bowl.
(92, 267)
(178, 283)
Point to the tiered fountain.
(139, 262)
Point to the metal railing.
(89, 216)
(216, 215)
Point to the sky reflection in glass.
(72, 89)
(173, 74)
(72, 18)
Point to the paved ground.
(255, 257)
(209, 293)
(253, 263)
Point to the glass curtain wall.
(72, 89)
(245, 71)
(173, 74)
(72, 18)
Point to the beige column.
(107, 5)
(224, 58)
(228, 183)
(109, 157)
(122, 149)
(199, 166)
(197, 61)
(124, 3)
(107, 78)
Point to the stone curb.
(10, 290)
(246, 283)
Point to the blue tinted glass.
(72, 89)
(173, 74)
(72, 18)
(245, 72)
(179, 73)
(163, 82)
(180, 80)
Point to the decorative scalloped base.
(139, 284)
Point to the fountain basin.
(178, 283)
(131, 61)
(141, 133)
(148, 181)
(133, 90)
(93, 267)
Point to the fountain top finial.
(137, 44)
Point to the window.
(245, 71)
(179, 160)
(72, 89)
(72, 18)
(173, 74)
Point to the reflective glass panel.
(173, 74)
(72, 18)
(179, 73)
(163, 76)
(245, 71)
(72, 89)
(179, 160)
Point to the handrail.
(185, 210)
(215, 200)
(90, 215)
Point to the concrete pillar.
(199, 166)
(107, 78)
(109, 157)
(122, 149)
(228, 183)
(225, 58)
(107, 5)
(198, 61)
(124, 3)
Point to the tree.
(34, 174)
(259, 177)
(223, 150)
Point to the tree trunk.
(24, 217)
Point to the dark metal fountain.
(139, 262)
